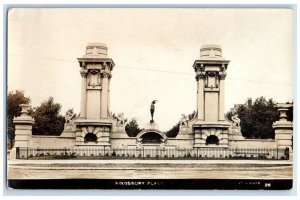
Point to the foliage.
(257, 120)
(47, 119)
(132, 128)
(175, 129)
(14, 99)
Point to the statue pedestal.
(152, 125)
(235, 137)
(203, 130)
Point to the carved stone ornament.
(139, 143)
(184, 123)
(121, 121)
(235, 125)
(200, 74)
(222, 75)
(162, 144)
(212, 73)
(69, 123)
(202, 67)
(83, 72)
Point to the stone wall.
(120, 140)
(253, 143)
(65, 140)
(187, 142)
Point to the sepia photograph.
(150, 98)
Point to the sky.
(154, 50)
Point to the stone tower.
(210, 127)
(93, 126)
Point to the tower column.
(221, 100)
(83, 73)
(200, 98)
(104, 97)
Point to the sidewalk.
(184, 162)
(150, 169)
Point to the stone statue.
(235, 126)
(152, 109)
(69, 120)
(68, 117)
(236, 120)
(120, 118)
(184, 120)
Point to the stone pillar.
(200, 97)
(284, 129)
(221, 99)
(108, 99)
(23, 130)
(83, 73)
(104, 96)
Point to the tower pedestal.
(217, 132)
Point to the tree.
(132, 128)
(48, 121)
(257, 120)
(175, 129)
(14, 99)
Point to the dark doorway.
(151, 138)
(90, 137)
(212, 139)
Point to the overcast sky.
(154, 50)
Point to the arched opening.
(212, 139)
(151, 138)
(90, 137)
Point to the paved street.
(149, 169)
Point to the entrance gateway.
(95, 116)
(98, 128)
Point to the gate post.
(23, 126)
(284, 129)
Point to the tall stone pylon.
(210, 71)
(93, 126)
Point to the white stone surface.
(211, 107)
